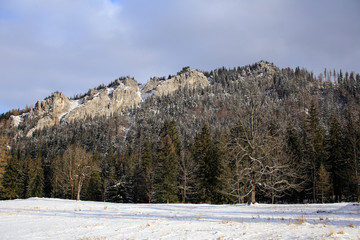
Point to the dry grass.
(105, 207)
(352, 225)
(225, 221)
(293, 227)
(332, 232)
(301, 220)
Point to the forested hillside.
(254, 133)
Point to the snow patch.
(144, 96)
(73, 104)
(352, 208)
(16, 120)
(41, 218)
(127, 129)
(142, 86)
(110, 91)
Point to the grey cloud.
(71, 46)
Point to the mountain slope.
(289, 121)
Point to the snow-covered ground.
(40, 218)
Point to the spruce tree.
(207, 155)
(336, 159)
(4, 158)
(166, 173)
(148, 170)
(25, 176)
(170, 129)
(352, 153)
(107, 174)
(93, 186)
(187, 173)
(36, 178)
(11, 179)
(323, 183)
(315, 142)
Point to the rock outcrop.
(116, 98)
(122, 94)
(186, 78)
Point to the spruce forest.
(255, 134)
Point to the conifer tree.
(187, 173)
(11, 179)
(166, 173)
(336, 160)
(4, 158)
(25, 176)
(323, 183)
(36, 178)
(148, 170)
(170, 129)
(207, 155)
(107, 174)
(294, 149)
(93, 185)
(315, 142)
(352, 150)
(58, 182)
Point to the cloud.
(71, 46)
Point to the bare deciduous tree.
(72, 170)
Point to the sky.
(74, 45)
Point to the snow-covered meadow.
(41, 218)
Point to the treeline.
(255, 160)
(256, 133)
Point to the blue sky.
(71, 46)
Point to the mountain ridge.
(116, 98)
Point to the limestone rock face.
(116, 98)
(152, 84)
(119, 96)
(186, 78)
(47, 112)
(54, 105)
(123, 94)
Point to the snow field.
(41, 218)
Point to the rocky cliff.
(186, 78)
(119, 96)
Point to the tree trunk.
(81, 180)
(184, 190)
(314, 184)
(78, 195)
(252, 200)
